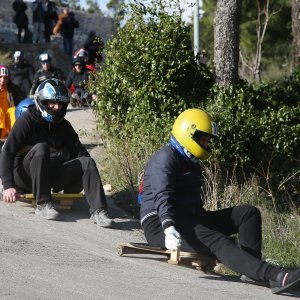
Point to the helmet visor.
(203, 139)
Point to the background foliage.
(149, 76)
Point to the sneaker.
(74, 100)
(102, 218)
(46, 211)
(249, 280)
(286, 279)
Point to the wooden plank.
(200, 261)
(58, 196)
(62, 201)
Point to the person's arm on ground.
(8, 153)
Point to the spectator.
(67, 26)
(21, 19)
(84, 56)
(10, 96)
(21, 73)
(46, 72)
(76, 81)
(51, 18)
(94, 45)
(38, 17)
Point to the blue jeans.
(68, 46)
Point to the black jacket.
(79, 80)
(29, 130)
(171, 188)
(22, 75)
(41, 75)
(21, 18)
(15, 94)
(68, 25)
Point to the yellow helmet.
(188, 125)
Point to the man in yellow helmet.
(172, 213)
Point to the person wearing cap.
(172, 211)
(21, 73)
(10, 96)
(77, 80)
(46, 72)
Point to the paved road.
(75, 259)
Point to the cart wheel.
(120, 250)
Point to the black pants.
(210, 235)
(39, 173)
(20, 29)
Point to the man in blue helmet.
(43, 152)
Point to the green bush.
(149, 76)
(259, 129)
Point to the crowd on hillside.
(46, 21)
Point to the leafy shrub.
(259, 128)
(149, 76)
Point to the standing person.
(21, 19)
(51, 18)
(43, 151)
(21, 73)
(67, 27)
(172, 212)
(46, 72)
(10, 96)
(38, 17)
(94, 45)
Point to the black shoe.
(286, 280)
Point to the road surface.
(75, 259)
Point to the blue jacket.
(171, 188)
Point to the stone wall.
(101, 24)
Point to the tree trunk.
(226, 41)
(296, 32)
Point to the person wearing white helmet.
(47, 71)
(172, 213)
(21, 73)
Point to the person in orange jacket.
(10, 95)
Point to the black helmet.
(54, 90)
(77, 61)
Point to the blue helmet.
(23, 106)
(53, 90)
